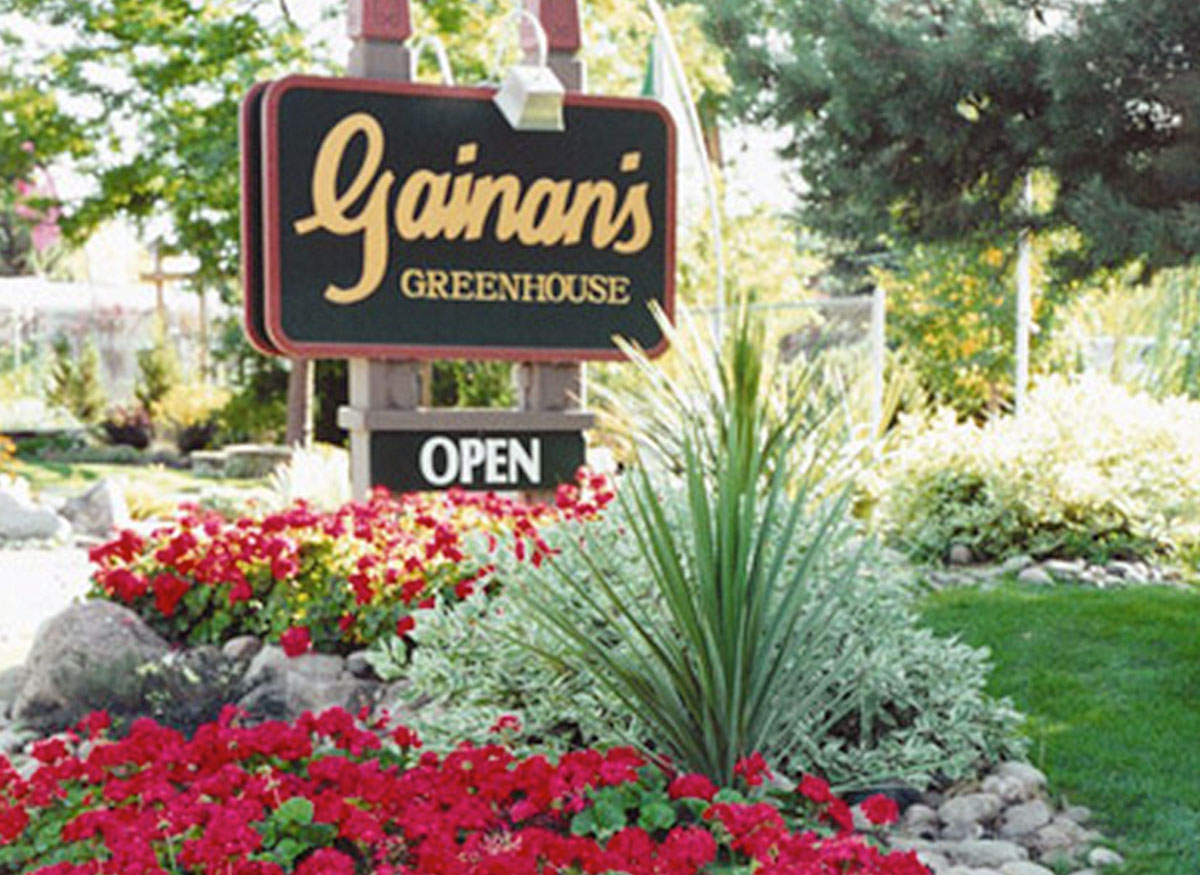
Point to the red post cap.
(382, 20)
(560, 20)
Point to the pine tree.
(75, 384)
(918, 120)
(158, 370)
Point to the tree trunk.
(300, 392)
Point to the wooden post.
(556, 387)
(379, 30)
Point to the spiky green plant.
(735, 634)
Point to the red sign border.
(272, 223)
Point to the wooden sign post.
(392, 223)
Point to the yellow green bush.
(1090, 469)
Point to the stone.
(962, 830)
(243, 648)
(85, 658)
(1057, 840)
(980, 853)
(1021, 819)
(1008, 789)
(960, 554)
(13, 739)
(303, 694)
(1036, 576)
(359, 665)
(253, 461)
(23, 519)
(11, 681)
(1024, 867)
(207, 463)
(100, 511)
(1101, 857)
(969, 808)
(1065, 569)
(1015, 564)
(1032, 779)
(919, 820)
(272, 660)
(1081, 814)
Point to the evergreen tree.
(158, 370)
(75, 383)
(919, 119)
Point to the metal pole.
(878, 354)
(1024, 302)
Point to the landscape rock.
(962, 830)
(23, 519)
(1061, 839)
(960, 554)
(359, 665)
(86, 657)
(1081, 814)
(1025, 818)
(1036, 575)
(919, 820)
(278, 687)
(271, 661)
(100, 511)
(1101, 857)
(1008, 789)
(984, 852)
(1032, 780)
(1024, 867)
(243, 648)
(1065, 569)
(1014, 564)
(971, 808)
(11, 681)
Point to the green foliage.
(189, 411)
(472, 384)
(718, 605)
(1152, 332)
(158, 370)
(920, 120)
(256, 411)
(913, 703)
(75, 381)
(1106, 679)
(1089, 470)
(952, 317)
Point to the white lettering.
(525, 461)
(497, 456)
(473, 455)
(449, 472)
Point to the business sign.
(421, 460)
(395, 220)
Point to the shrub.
(325, 796)
(158, 370)
(720, 607)
(75, 381)
(903, 705)
(1089, 470)
(190, 411)
(334, 580)
(128, 426)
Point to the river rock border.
(963, 571)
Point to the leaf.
(657, 815)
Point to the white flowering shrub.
(1090, 469)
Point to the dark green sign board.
(410, 221)
(406, 461)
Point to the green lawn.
(153, 489)
(1111, 683)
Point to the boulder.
(99, 511)
(982, 853)
(243, 648)
(960, 554)
(1024, 867)
(1100, 857)
(1035, 575)
(970, 808)
(278, 687)
(1032, 780)
(919, 820)
(23, 519)
(11, 681)
(88, 657)
(1022, 819)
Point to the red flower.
(405, 625)
(692, 787)
(880, 809)
(816, 789)
(295, 641)
(753, 769)
(507, 723)
(168, 590)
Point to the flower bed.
(328, 581)
(327, 796)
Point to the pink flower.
(692, 787)
(295, 641)
(753, 768)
